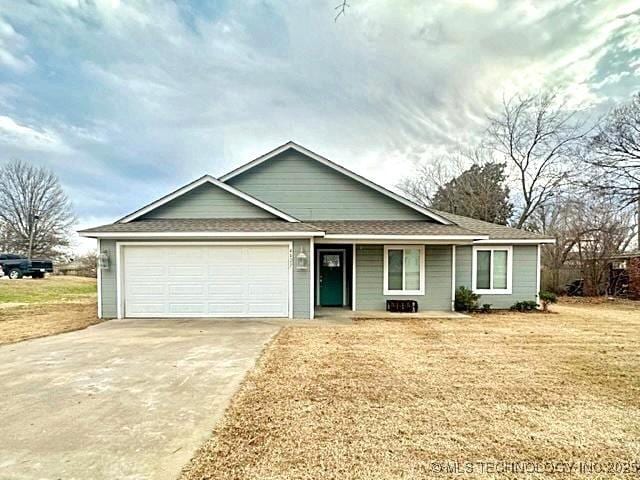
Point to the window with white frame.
(404, 269)
(491, 270)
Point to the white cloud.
(12, 46)
(28, 138)
(154, 93)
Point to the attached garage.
(200, 280)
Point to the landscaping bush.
(524, 306)
(546, 298)
(466, 300)
(486, 308)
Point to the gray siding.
(369, 279)
(208, 201)
(523, 281)
(301, 285)
(108, 279)
(309, 190)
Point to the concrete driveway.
(123, 399)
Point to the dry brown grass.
(38, 308)
(386, 400)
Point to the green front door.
(331, 278)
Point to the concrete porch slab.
(326, 313)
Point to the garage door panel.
(267, 271)
(150, 271)
(197, 309)
(263, 290)
(223, 291)
(225, 256)
(187, 270)
(227, 274)
(146, 309)
(187, 255)
(197, 281)
(144, 256)
(227, 309)
(138, 289)
(258, 309)
(264, 255)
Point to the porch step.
(328, 312)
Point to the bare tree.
(537, 136)
(589, 230)
(614, 151)
(560, 218)
(89, 263)
(341, 9)
(36, 214)
(430, 176)
(554, 218)
(608, 234)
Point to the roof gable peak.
(201, 181)
(290, 145)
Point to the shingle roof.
(204, 225)
(388, 227)
(464, 226)
(495, 231)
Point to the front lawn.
(49, 289)
(386, 400)
(32, 308)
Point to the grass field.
(47, 290)
(32, 308)
(389, 400)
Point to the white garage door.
(206, 281)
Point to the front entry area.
(333, 275)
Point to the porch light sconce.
(103, 260)
(302, 261)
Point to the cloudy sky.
(127, 100)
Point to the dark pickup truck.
(16, 266)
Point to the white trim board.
(394, 241)
(538, 274)
(322, 237)
(453, 278)
(204, 242)
(335, 236)
(290, 290)
(353, 278)
(99, 278)
(190, 235)
(515, 242)
(120, 265)
(119, 280)
(312, 266)
(201, 181)
(325, 161)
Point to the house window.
(404, 270)
(331, 261)
(491, 270)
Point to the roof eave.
(191, 235)
(515, 241)
(346, 236)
